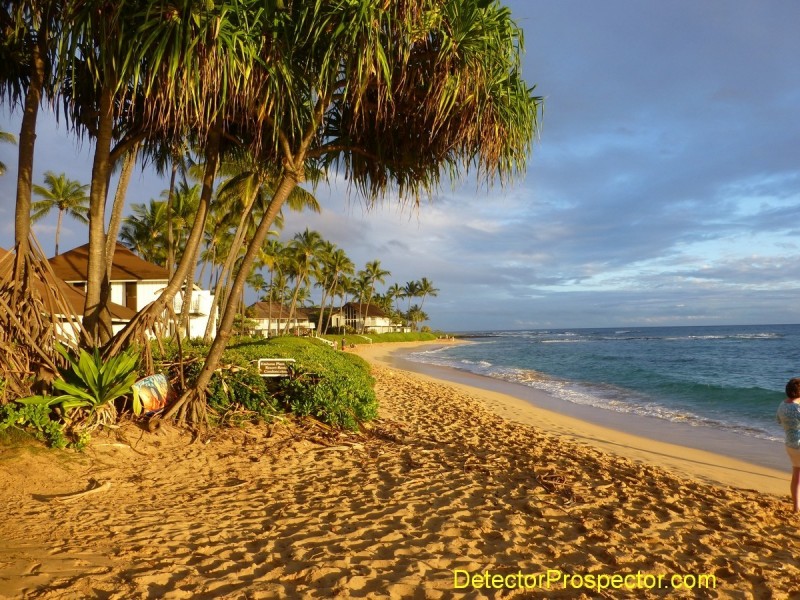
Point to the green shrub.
(377, 338)
(235, 385)
(335, 387)
(244, 388)
(34, 418)
(89, 387)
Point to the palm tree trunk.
(58, 227)
(287, 184)
(236, 245)
(366, 313)
(269, 306)
(155, 309)
(330, 308)
(96, 316)
(293, 305)
(27, 143)
(119, 205)
(170, 202)
(322, 309)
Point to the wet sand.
(718, 456)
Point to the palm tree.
(374, 274)
(395, 98)
(173, 155)
(66, 195)
(411, 291)
(340, 266)
(416, 315)
(9, 139)
(359, 286)
(144, 231)
(394, 293)
(305, 249)
(181, 209)
(324, 276)
(426, 289)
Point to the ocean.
(727, 378)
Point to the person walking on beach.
(789, 417)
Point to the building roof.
(73, 265)
(75, 299)
(373, 310)
(274, 310)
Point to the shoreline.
(448, 481)
(711, 456)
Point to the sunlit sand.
(452, 491)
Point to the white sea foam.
(602, 396)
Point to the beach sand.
(449, 483)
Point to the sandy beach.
(453, 492)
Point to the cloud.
(663, 188)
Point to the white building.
(370, 319)
(135, 283)
(64, 303)
(270, 319)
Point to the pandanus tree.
(201, 59)
(28, 34)
(391, 94)
(27, 48)
(129, 72)
(97, 83)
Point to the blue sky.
(664, 188)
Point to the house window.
(130, 295)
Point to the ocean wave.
(599, 395)
(481, 363)
(624, 401)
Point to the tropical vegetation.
(67, 196)
(393, 96)
(8, 139)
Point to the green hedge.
(377, 338)
(335, 387)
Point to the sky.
(662, 189)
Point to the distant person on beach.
(789, 417)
